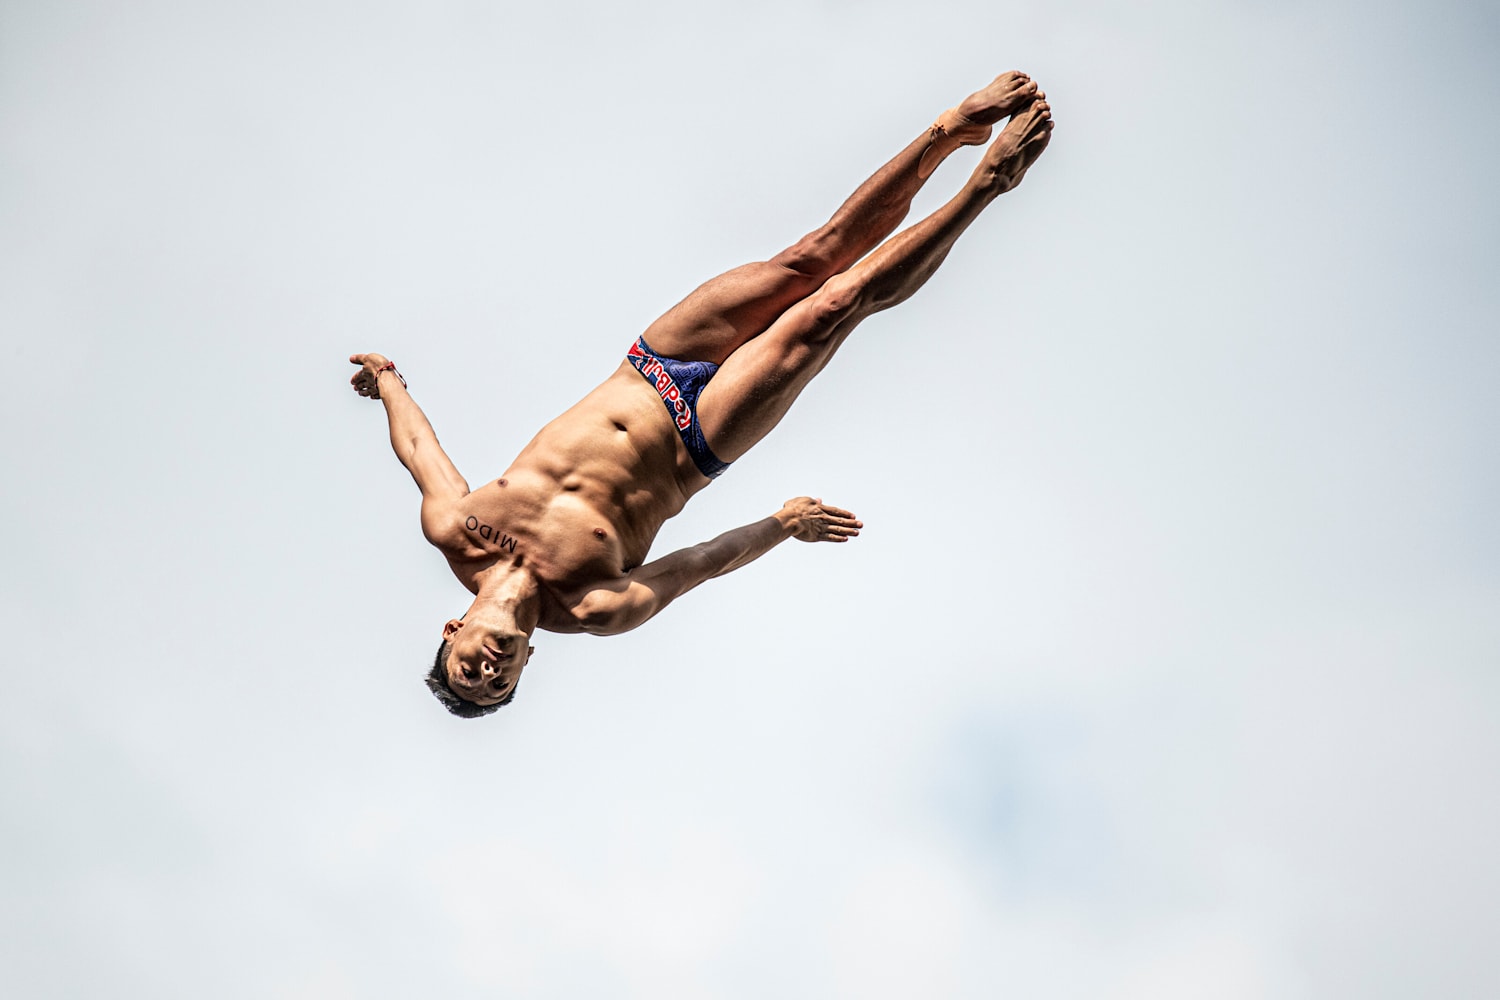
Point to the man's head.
(437, 683)
(479, 663)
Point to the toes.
(1033, 144)
(1034, 150)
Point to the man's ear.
(450, 629)
(529, 651)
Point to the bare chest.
(560, 538)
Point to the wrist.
(389, 368)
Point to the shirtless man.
(559, 542)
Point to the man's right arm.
(641, 594)
(412, 436)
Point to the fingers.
(836, 525)
(364, 383)
(837, 517)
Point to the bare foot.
(973, 121)
(1006, 94)
(1020, 143)
(970, 122)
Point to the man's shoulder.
(442, 526)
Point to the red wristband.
(390, 366)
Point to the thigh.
(760, 381)
(722, 314)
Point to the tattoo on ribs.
(490, 534)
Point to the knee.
(813, 255)
(839, 300)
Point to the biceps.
(658, 584)
(641, 599)
(436, 475)
(613, 612)
(639, 606)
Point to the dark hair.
(437, 683)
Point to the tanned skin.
(559, 541)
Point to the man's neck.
(509, 585)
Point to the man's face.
(485, 662)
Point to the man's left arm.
(412, 439)
(652, 586)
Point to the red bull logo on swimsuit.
(666, 388)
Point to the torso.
(581, 504)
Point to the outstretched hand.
(364, 381)
(814, 521)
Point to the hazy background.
(1166, 666)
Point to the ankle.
(963, 130)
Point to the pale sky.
(1166, 666)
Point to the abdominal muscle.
(583, 501)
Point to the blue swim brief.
(678, 383)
